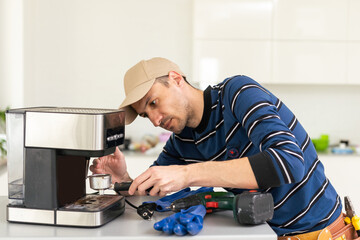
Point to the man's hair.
(164, 80)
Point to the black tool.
(124, 186)
(248, 207)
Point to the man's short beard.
(188, 112)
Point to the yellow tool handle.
(356, 222)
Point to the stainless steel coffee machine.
(49, 149)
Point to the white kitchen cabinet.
(309, 62)
(216, 60)
(232, 19)
(232, 37)
(280, 42)
(343, 172)
(309, 19)
(354, 60)
(354, 20)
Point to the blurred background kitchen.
(75, 53)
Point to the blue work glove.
(163, 204)
(187, 221)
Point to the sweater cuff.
(264, 170)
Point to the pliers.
(351, 217)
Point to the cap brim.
(130, 114)
(132, 97)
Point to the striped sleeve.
(280, 159)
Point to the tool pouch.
(338, 230)
(341, 231)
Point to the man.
(236, 135)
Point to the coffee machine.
(49, 149)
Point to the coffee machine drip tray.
(92, 203)
(88, 211)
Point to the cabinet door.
(309, 62)
(354, 60)
(232, 37)
(343, 173)
(215, 60)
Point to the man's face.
(165, 106)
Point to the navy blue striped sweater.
(243, 119)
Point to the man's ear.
(176, 77)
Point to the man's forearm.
(235, 173)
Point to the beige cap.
(139, 79)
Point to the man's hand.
(113, 164)
(236, 173)
(162, 179)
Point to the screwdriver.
(351, 217)
(124, 186)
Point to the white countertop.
(220, 225)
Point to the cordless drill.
(249, 207)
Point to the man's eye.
(153, 102)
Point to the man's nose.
(155, 118)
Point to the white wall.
(77, 51)
(11, 53)
(3, 182)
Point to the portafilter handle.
(101, 182)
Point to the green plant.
(2, 121)
(3, 130)
(2, 148)
(2, 116)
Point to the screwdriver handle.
(185, 203)
(124, 186)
